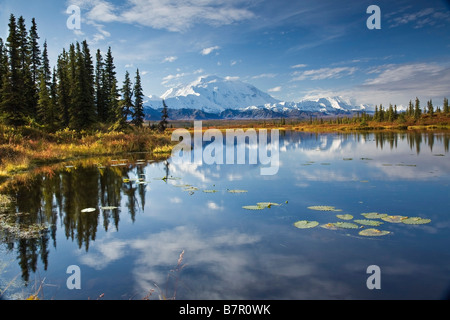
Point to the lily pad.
(304, 224)
(346, 225)
(394, 219)
(210, 191)
(87, 210)
(253, 207)
(367, 222)
(416, 220)
(267, 204)
(345, 216)
(373, 232)
(323, 208)
(374, 215)
(329, 226)
(237, 191)
(108, 208)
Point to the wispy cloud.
(422, 18)
(209, 50)
(170, 59)
(323, 73)
(297, 66)
(264, 75)
(276, 89)
(172, 15)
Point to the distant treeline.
(74, 94)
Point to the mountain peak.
(213, 94)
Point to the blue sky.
(291, 49)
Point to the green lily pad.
(394, 219)
(416, 220)
(210, 191)
(253, 207)
(346, 225)
(237, 191)
(323, 208)
(373, 232)
(87, 210)
(367, 222)
(329, 226)
(267, 204)
(304, 224)
(108, 208)
(345, 216)
(374, 215)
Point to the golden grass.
(26, 148)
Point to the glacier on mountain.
(212, 94)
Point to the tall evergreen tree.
(3, 65)
(164, 116)
(125, 104)
(430, 107)
(12, 106)
(63, 89)
(110, 91)
(43, 105)
(35, 63)
(100, 101)
(82, 113)
(138, 114)
(445, 108)
(417, 110)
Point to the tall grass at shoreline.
(26, 147)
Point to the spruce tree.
(100, 101)
(82, 113)
(35, 52)
(43, 104)
(445, 106)
(430, 107)
(3, 65)
(125, 104)
(110, 91)
(164, 116)
(63, 89)
(417, 110)
(138, 114)
(13, 106)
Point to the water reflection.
(223, 255)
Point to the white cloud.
(171, 77)
(396, 84)
(209, 50)
(428, 16)
(276, 89)
(170, 59)
(264, 75)
(172, 15)
(299, 66)
(323, 73)
(230, 78)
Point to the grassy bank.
(435, 122)
(25, 148)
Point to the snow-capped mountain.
(215, 95)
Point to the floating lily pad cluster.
(371, 220)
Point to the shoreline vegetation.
(25, 148)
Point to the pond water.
(132, 251)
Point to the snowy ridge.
(212, 94)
